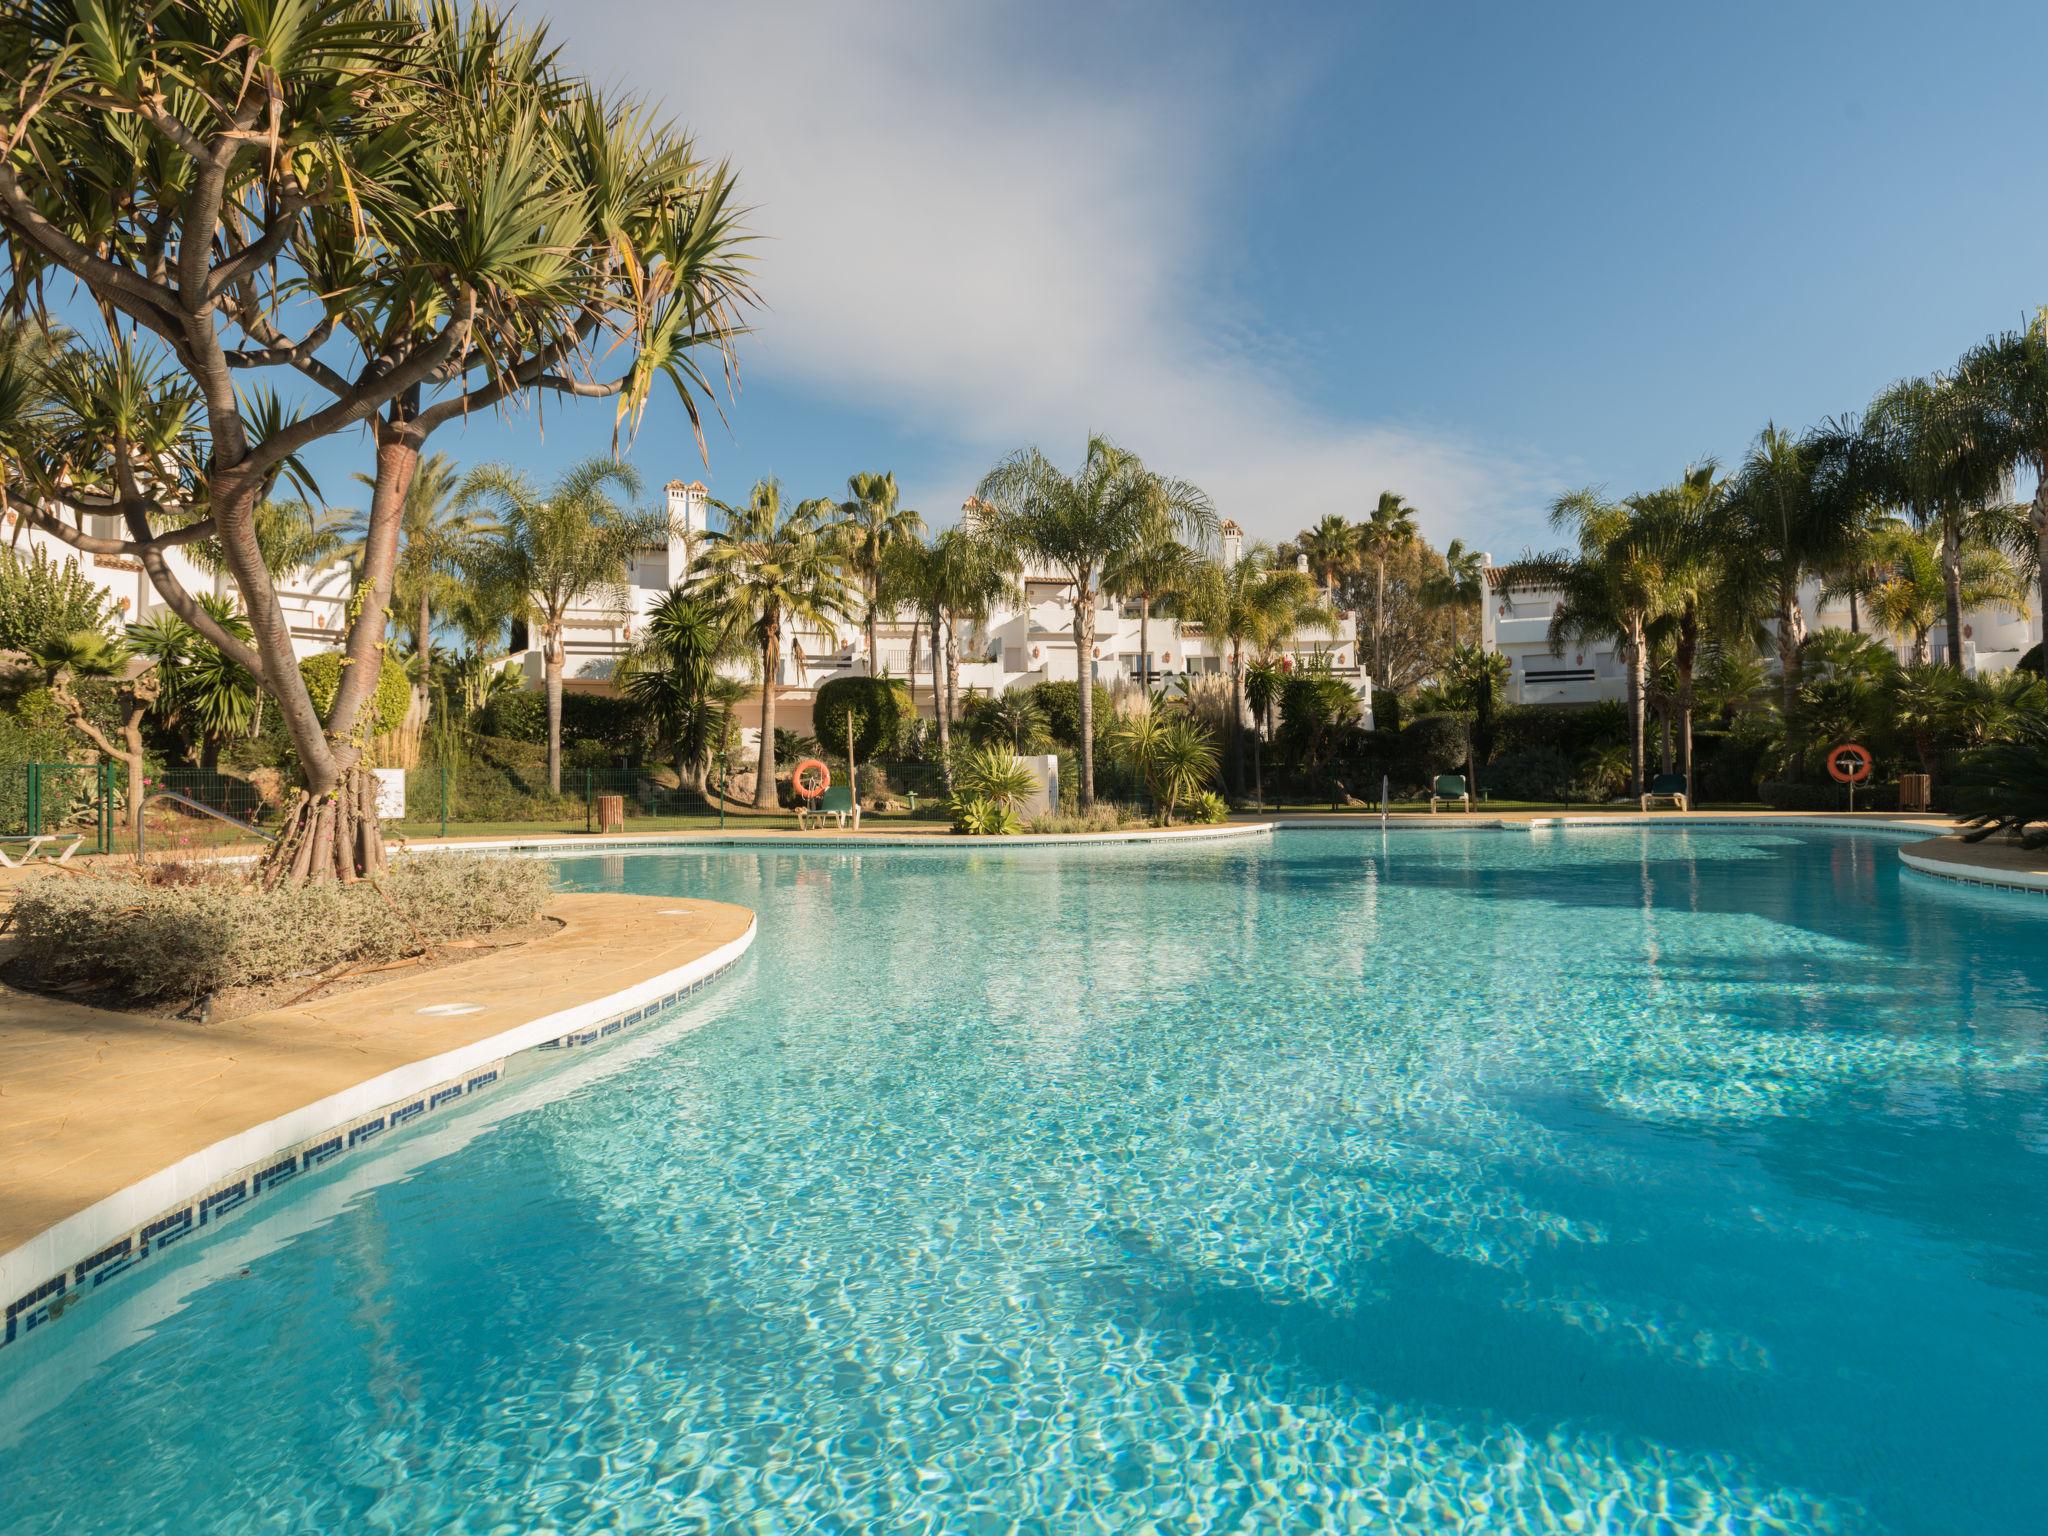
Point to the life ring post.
(810, 778)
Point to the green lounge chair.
(837, 801)
(1668, 786)
(1449, 789)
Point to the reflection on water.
(1680, 1181)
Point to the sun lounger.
(34, 846)
(1668, 786)
(837, 802)
(1449, 789)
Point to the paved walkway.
(1991, 860)
(92, 1101)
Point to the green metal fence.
(44, 799)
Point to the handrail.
(197, 805)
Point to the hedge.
(880, 708)
(1574, 730)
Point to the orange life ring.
(796, 778)
(1859, 769)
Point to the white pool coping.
(832, 842)
(61, 1255)
(2031, 880)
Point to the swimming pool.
(1661, 1180)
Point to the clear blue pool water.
(1659, 1181)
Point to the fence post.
(106, 839)
(586, 798)
(35, 799)
(444, 797)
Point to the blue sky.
(1302, 253)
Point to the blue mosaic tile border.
(45, 1302)
(1981, 883)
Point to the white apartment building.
(315, 602)
(1515, 622)
(1022, 644)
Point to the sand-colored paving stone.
(92, 1101)
(1993, 857)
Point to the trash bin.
(611, 813)
(1916, 792)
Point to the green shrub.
(1571, 730)
(518, 714)
(2004, 785)
(141, 940)
(975, 817)
(1533, 773)
(1430, 745)
(880, 708)
(42, 600)
(388, 703)
(608, 718)
(1208, 809)
(1059, 705)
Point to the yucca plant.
(2003, 787)
(995, 775)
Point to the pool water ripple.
(1670, 1180)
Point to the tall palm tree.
(1077, 523)
(1152, 570)
(1677, 533)
(771, 567)
(566, 549)
(871, 525)
(1462, 583)
(1252, 606)
(1387, 529)
(1609, 587)
(1938, 453)
(1791, 511)
(970, 575)
(1332, 549)
(2008, 378)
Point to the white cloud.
(999, 245)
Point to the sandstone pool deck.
(92, 1102)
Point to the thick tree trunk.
(1923, 647)
(552, 660)
(1952, 587)
(764, 762)
(332, 835)
(874, 644)
(1084, 668)
(1379, 623)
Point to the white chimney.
(1233, 543)
(689, 512)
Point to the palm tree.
(871, 525)
(1678, 533)
(199, 688)
(566, 549)
(1152, 570)
(771, 567)
(1332, 548)
(1252, 606)
(1790, 511)
(1906, 590)
(2008, 378)
(671, 675)
(1461, 584)
(1938, 453)
(1390, 527)
(1077, 523)
(1608, 588)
